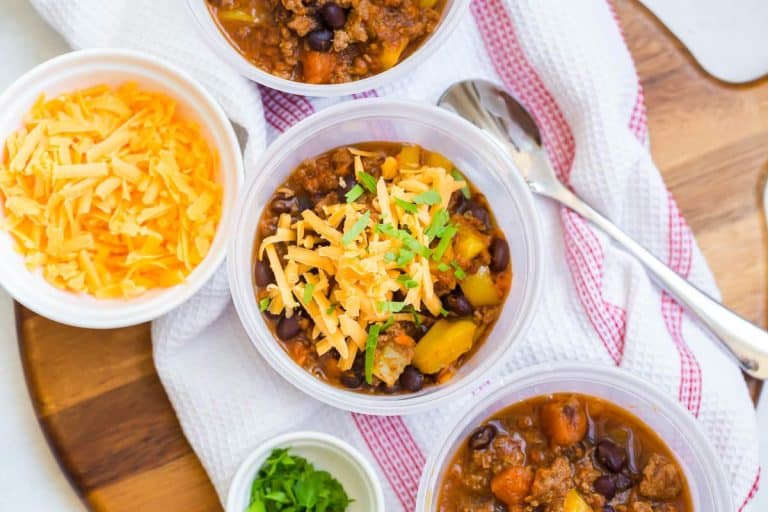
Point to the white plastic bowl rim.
(81, 310)
(238, 496)
(452, 14)
(239, 260)
(708, 482)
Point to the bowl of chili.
(332, 48)
(479, 336)
(574, 437)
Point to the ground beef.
(550, 484)
(661, 479)
(277, 39)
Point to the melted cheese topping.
(110, 191)
(361, 258)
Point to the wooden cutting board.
(109, 421)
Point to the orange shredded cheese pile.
(110, 191)
(346, 283)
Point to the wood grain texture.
(109, 421)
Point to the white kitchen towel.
(568, 63)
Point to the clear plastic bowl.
(85, 68)
(710, 489)
(483, 162)
(452, 14)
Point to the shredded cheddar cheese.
(110, 191)
(367, 253)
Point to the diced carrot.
(564, 421)
(404, 340)
(512, 484)
(317, 66)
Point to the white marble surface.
(29, 476)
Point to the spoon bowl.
(506, 121)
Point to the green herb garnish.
(439, 220)
(289, 483)
(389, 256)
(444, 311)
(370, 350)
(264, 304)
(405, 205)
(405, 257)
(309, 289)
(430, 197)
(390, 306)
(405, 237)
(356, 229)
(460, 177)
(368, 181)
(443, 267)
(330, 309)
(457, 270)
(407, 281)
(354, 193)
(445, 239)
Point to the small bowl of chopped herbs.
(305, 472)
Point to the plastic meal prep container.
(453, 12)
(86, 68)
(709, 485)
(478, 157)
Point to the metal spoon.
(493, 110)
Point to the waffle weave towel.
(568, 63)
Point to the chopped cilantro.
(389, 256)
(439, 220)
(408, 240)
(354, 193)
(448, 233)
(370, 349)
(430, 197)
(443, 267)
(356, 229)
(443, 311)
(368, 181)
(405, 205)
(264, 304)
(460, 177)
(392, 306)
(287, 482)
(309, 289)
(330, 309)
(407, 281)
(458, 271)
(405, 257)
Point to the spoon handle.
(747, 342)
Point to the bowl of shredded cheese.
(353, 295)
(118, 178)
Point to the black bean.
(412, 379)
(333, 15)
(287, 328)
(499, 254)
(611, 455)
(605, 486)
(479, 212)
(262, 274)
(499, 507)
(458, 303)
(284, 204)
(305, 203)
(351, 379)
(482, 437)
(622, 481)
(320, 39)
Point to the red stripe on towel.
(584, 254)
